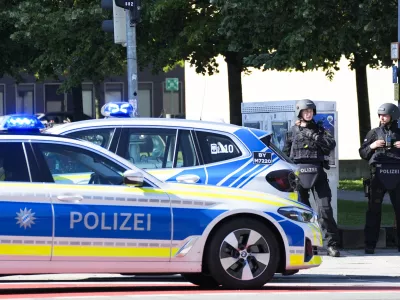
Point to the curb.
(353, 237)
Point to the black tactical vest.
(388, 154)
(303, 149)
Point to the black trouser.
(374, 213)
(323, 197)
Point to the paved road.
(352, 276)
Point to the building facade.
(30, 96)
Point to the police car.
(185, 151)
(124, 220)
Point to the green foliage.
(351, 185)
(67, 40)
(298, 35)
(179, 30)
(352, 213)
(12, 54)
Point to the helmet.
(305, 104)
(389, 109)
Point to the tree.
(308, 35)
(12, 54)
(68, 43)
(176, 30)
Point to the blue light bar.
(117, 110)
(20, 123)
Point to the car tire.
(243, 254)
(200, 279)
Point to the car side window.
(217, 147)
(101, 137)
(74, 165)
(149, 148)
(13, 164)
(186, 153)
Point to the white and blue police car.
(120, 219)
(187, 151)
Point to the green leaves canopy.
(66, 40)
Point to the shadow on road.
(171, 289)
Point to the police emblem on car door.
(101, 219)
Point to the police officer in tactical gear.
(307, 144)
(381, 148)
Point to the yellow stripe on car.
(25, 250)
(113, 251)
(298, 260)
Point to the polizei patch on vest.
(390, 171)
(309, 170)
(262, 158)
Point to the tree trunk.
(364, 118)
(77, 102)
(99, 99)
(235, 66)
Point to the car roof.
(163, 122)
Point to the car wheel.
(243, 254)
(202, 280)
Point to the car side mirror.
(133, 178)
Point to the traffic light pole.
(132, 61)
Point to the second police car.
(185, 151)
(124, 220)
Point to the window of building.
(217, 147)
(172, 101)
(87, 99)
(145, 99)
(54, 100)
(113, 92)
(25, 97)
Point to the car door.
(227, 163)
(167, 153)
(102, 219)
(26, 218)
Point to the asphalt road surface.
(352, 276)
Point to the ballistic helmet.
(389, 109)
(305, 104)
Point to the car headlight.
(298, 214)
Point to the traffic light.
(117, 25)
(134, 6)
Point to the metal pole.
(132, 62)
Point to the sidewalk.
(385, 262)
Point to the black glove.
(310, 134)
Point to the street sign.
(394, 74)
(128, 4)
(396, 92)
(172, 84)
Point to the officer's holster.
(388, 175)
(308, 174)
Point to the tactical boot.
(333, 251)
